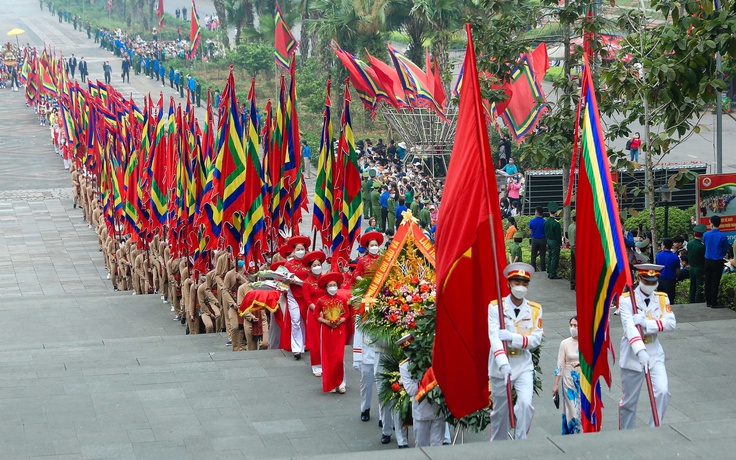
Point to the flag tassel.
(502, 325)
(647, 374)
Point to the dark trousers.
(539, 247)
(572, 267)
(107, 78)
(553, 258)
(384, 219)
(713, 271)
(72, 69)
(126, 73)
(696, 284)
(667, 286)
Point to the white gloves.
(643, 359)
(505, 371)
(505, 335)
(638, 320)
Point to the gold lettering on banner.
(408, 231)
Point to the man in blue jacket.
(716, 247)
(539, 239)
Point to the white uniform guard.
(655, 316)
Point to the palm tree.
(240, 14)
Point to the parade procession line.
(87, 373)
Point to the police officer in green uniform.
(376, 203)
(696, 259)
(414, 207)
(424, 215)
(392, 209)
(553, 231)
(515, 248)
(367, 183)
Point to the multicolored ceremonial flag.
(283, 39)
(470, 260)
(160, 14)
(364, 79)
(229, 171)
(348, 205)
(603, 255)
(418, 89)
(527, 103)
(389, 82)
(254, 235)
(195, 32)
(322, 211)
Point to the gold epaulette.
(626, 294)
(402, 362)
(534, 304)
(494, 302)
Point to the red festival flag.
(283, 39)
(195, 32)
(469, 256)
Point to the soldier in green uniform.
(414, 206)
(376, 203)
(696, 258)
(515, 248)
(553, 231)
(392, 209)
(424, 215)
(367, 183)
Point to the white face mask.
(299, 253)
(317, 270)
(519, 291)
(573, 332)
(647, 289)
(374, 250)
(332, 290)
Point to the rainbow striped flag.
(283, 39)
(195, 32)
(322, 211)
(254, 235)
(415, 82)
(603, 256)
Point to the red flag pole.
(502, 325)
(647, 374)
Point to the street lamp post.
(665, 196)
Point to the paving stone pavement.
(89, 373)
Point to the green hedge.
(727, 291)
(563, 268)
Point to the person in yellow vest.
(642, 350)
(522, 333)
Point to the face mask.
(299, 253)
(317, 270)
(332, 290)
(646, 289)
(519, 291)
(573, 332)
(373, 250)
(241, 263)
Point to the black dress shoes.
(365, 415)
(385, 439)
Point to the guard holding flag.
(522, 333)
(641, 350)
